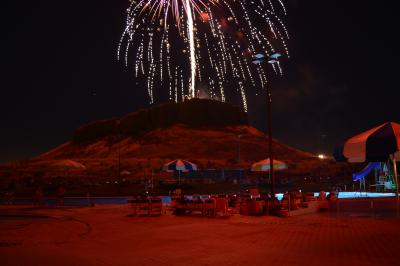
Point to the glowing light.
(322, 156)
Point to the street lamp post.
(270, 148)
(270, 59)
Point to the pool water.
(351, 195)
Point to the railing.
(365, 207)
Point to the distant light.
(322, 156)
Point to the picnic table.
(204, 207)
(149, 207)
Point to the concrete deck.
(108, 235)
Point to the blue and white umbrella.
(179, 165)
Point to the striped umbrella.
(179, 165)
(375, 145)
(264, 166)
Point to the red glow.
(205, 17)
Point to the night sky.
(60, 71)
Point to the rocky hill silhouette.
(209, 133)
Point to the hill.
(209, 133)
(195, 113)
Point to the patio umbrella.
(263, 166)
(375, 145)
(65, 165)
(125, 173)
(180, 166)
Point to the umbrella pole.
(396, 177)
(397, 182)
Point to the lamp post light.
(270, 59)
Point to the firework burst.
(184, 44)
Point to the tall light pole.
(270, 59)
(270, 148)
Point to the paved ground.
(107, 235)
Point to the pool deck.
(108, 235)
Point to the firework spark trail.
(192, 51)
(186, 44)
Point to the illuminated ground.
(107, 235)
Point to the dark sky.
(60, 71)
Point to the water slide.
(364, 172)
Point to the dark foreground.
(108, 235)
